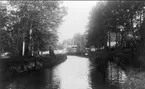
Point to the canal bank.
(78, 54)
(28, 64)
(74, 73)
(109, 69)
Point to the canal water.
(75, 73)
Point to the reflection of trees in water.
(26, 66)
(34, 80)
(97, 76)
(101, 76)
(11, 86)
(115, 74)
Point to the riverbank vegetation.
(135, 80)
(118, 28)
(13, 66)
(121, 22)
(27, 28)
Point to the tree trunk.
(20, 45)
(109, 39)
(23, 48)
(27, 45)
(116, 39)
(27, 50)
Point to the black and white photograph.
(66, 44)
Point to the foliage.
(77, 43)
(135, 80)
(126, 20)
(96, 35)
(120, 17)
(34, 22)
(80, 41)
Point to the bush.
(135, 80)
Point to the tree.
(34, 23)
(121, 17)
(4, 38)
(125, 19)
(96, 28)
(80, 41)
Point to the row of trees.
(123, 18)
(29, 26)
(78, 41)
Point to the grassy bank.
(27, 64)
(135, 80)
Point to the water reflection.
(116, 74)
(72, 74)
(34, 80)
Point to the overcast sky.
(76, 19)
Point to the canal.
(75, 73)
